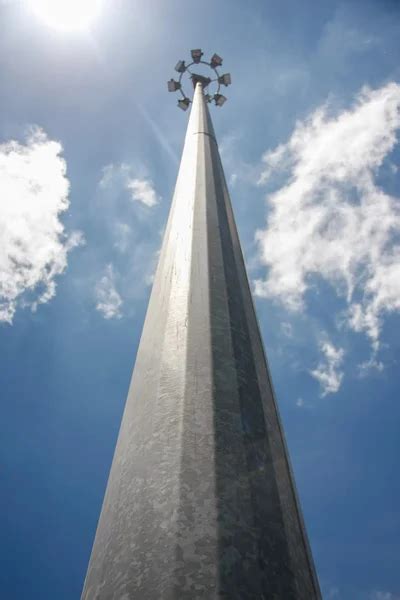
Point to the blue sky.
(90, 145)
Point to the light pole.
(200, 502)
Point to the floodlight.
(225, 79)
(216, 61)
(184, 103)
(219, 99)
(173, 85)
(186, 75)
(180, 66)
(196, 55)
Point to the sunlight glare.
(67, 15)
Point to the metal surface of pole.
(200, 502)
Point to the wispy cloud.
(328, 372)
(380, 595)
(122, 175)
(372, 364)
(331, 218)
(162, 139)
(109, 301)
(287, 329)
(34, 246)
(131, 228)
(123, 236)
(236, 169)
(333, 593)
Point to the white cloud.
(109, 301)
(33, 245)
(141, 188)
(332, 219)
(300, 402)
(327, 373)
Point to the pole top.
(206, 82)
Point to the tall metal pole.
(200, 502)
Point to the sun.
(67, 15)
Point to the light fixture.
(173, 85)
(184, 103)
(210, 85)
(219, 99)
(180, 66)
(216, 61)
(196, 55)
(225, 79)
